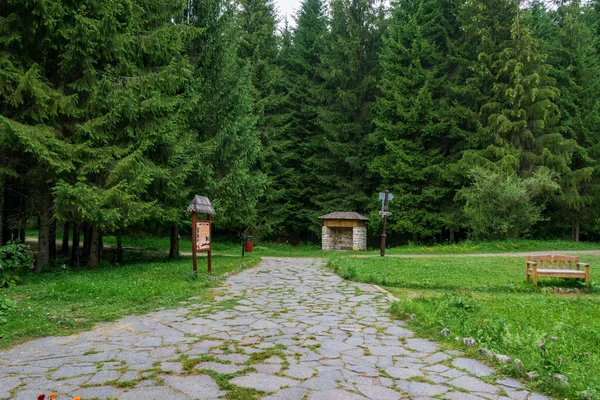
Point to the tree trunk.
(52, 241)
(451, 236)
(65, 239)
(415, 237)
(2, 212)
(100, 244)
(94, 256)
(575, 231)
(43, 258)
(174, 249)
(75, 245)
(87, 233)
(120, 247)
(22, 232)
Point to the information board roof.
(201, 205)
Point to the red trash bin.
(248, 246)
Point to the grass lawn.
(272, 249)
(493, 246)
(268, 249)
(488, 299)
(220, 247)
(67, 301)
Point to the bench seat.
(557, 267)
(565, 273)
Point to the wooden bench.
(557, 267)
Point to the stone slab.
(195, 385)
(262, 382)
(473, 384)
(474, 367)
(154, 393)
(374, 392)
(421, 389)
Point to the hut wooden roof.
(345, 215)
(201, 205)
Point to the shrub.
(6, 304)
(14, 258)
(498, 205)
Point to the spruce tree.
(220, 115)
(35, 104)
(338, 150)
(279, 148)
(300, 61)
(511, 89)
(516, 97)
(571, 43)
(414, 129)
(260, 47)
(124, 61)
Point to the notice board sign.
(202, 235)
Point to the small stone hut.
(344, 231)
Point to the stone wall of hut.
(334, 238)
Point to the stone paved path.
(287, 329)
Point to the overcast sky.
(287, 8)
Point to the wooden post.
(383, 235)
(587, 274)
(210, 246)
(194, 243)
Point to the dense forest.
(481, 117)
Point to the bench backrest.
(555, 262)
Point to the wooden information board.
(201, 230)
(202, 235)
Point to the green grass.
(67, 301)
(268, 249)
(272, 249)
(494, 246)
(488, 299)
(220, 247)
(226, 247)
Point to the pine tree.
(123, 60)
(260, 46)
(300, 61)
(279, 148)
(414, 129)
(33, 152)
(221, 117)
(572, 46)
(511, 89)
(519, 132)
(338, 150)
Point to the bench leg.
(527, 273)
(587, 275)
(535, 276)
